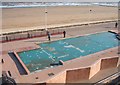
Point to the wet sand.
(15, 18)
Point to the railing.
(6, 37)
(108, 79)
(28, 34)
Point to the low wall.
(77, 74)
(95, 68)
(109, 63)
(27, 35)
(60, 78)
(40, 32)
(26, 69)
(80, 73)
(118, 64)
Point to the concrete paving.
(22, 45)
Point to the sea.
(48, 4)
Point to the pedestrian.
(6, 38)
(116, 24)
(48, 34)
(28, 35)
(2, 61)
(64, 33)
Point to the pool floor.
(67, 49)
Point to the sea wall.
(58, 29)
(27, 35)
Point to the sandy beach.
(18, 18)
(96, 66)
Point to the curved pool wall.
(67, 49)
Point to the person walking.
(2, 61)
(28, 35)
(64, 33)
(6, 38)
(48, 34)
(116, 24)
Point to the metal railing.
(108, 79)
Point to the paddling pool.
(67, 49)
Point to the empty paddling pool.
(67, 49)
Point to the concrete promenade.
(75, 31)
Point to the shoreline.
(51, 6)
